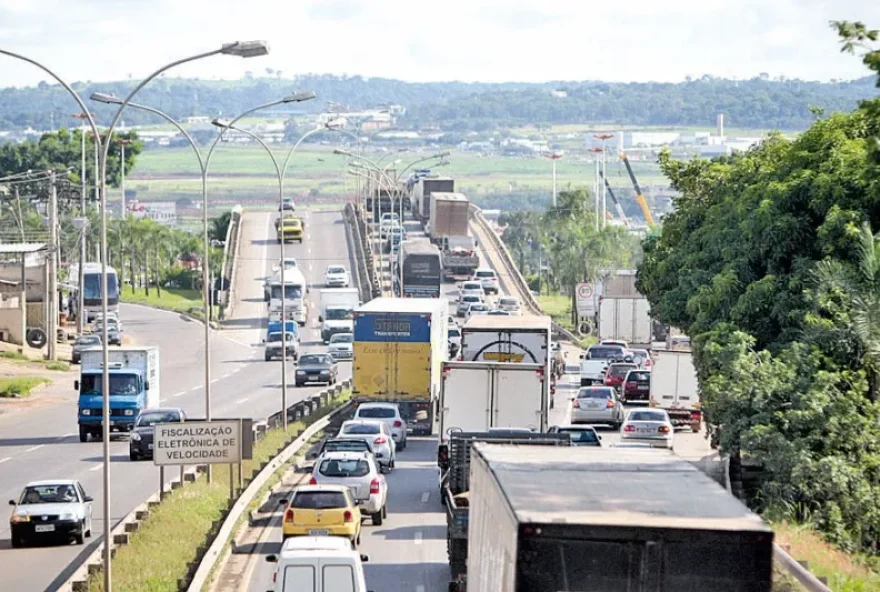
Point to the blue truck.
(134, 386)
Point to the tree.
(219, 226)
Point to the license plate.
(149, 446)
(313, 377)
(643, 387)
(646, 431)
(44, 528)
(319, 532)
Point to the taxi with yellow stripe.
(322, 510)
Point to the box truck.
(421, 196)
(399, 345)
(422, 269)
(674, 387)
(134, 386)
(625, 319)
(596, 519)
(449, 214)
(337, 311)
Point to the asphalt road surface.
(43, 442)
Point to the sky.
(415, 40)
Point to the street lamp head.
(341, 152)
(443, 154)
(105, 98)
(220, 123)
(299, 97)
(246, 49)
(335, 124)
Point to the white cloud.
(491, 40)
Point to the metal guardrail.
(230, 261)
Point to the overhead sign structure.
(586, 304)
(197, 443)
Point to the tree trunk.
(574, 312)
(131, 274)
(158, 274)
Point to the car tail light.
(288, 515)
(609, 404)
(313, 481)
(274, 576)
(629, 428)
(576, 404)
(380, 440)
(347, 516)
(398, 423)
(630, 384)
(374, 486)
(663, 429)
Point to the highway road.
(43, 443)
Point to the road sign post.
(586, 305)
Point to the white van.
(319, 564)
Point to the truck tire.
(83, 434)
(268, 357)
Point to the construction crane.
(614, 199)
(640, 198)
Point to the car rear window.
(646, 416)
(344, 468)
(377, 413)
(360, 428)
(319, 500)
(583, 435)
(508, 301)
(595, 393)
(621, 369)
(346, 445)
(639, 376)
(473, 286)
(471, 298)
(605, 353)
(485, 274)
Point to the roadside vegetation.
(20, 386)
(21, 359)
(158, 555)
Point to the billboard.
(163, 212)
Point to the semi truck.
(399, 346)
(292, 284)
(421, 196)
(454, 462)
(674, 387)
(421, 269)
(598, 519)
(134, 386)
(337, 310)
(626, 319)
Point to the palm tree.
(857, 287)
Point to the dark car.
(616, 373)
(140, 444)
(286, 205)
(83, 342)
(636, 387)
(580, 435)
(316, 368)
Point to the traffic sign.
(584, 291)
(197, 443)
(585, 302)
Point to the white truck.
(477, 396)
(625, 319)
(674, 387)
(292, 284)
(134, 386)
(337, 311)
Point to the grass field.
(20, 386)
(175, 299)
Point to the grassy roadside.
(17, 357)
(558, 307)
(158, 555)
(20, 386)
(175, 299)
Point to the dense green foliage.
(770, 263)
(756, 103)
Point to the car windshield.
(289, 263)
(342, 338)
(621, 369)
(290, 292)
(361, 428)
(377, 413)
(577, 435)
(315, 359)
(336, 269)
(473, 286)
(319, 500)
(479, 307)
(595, 393)
(154, 417)
(646, 416)
(454, 333)
(60, 493)
(605, 353)
(339, 314)
(508, 302)
(346, 446)
(276, 337)
(89, 340)
(333, 467)
(120, 384)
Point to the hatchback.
(510, 304)
(650, 425)
(478, 309)
(471, 288)
(597, 404)
(488, 279)
(384, 446)
(387, 413)
(359, 473)
(636, 387)
(617, 372)
(322, 510)
(465, 303)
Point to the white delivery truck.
(625, 319)
(292, 284)
(674, 387)
(476, 396)
(337, 311)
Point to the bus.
(92, 293)
(422, 270)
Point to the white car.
(342, 346)
(384, 446)
(465, 303)
(386, 227)
(357, 471)
(389, 414)
(453, 337)
(648, 425)
(471, 289)
(287, 263)
(57, 509)
(488, 279)
(510, 304)
(336, 276)
(478, 309)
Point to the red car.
(636, 387)
(617, 372)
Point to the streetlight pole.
(123, 143)
(596, 152)
(604, 138)
(554, 156)
(80, 298)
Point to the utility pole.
(554, 156)
(604, 138)
(596, 152)
(122, 143)
(80, 293)
(52, 321)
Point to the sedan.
(597, 404)
(384, 446)
(322, 510)
(359, 473)
(140, 444)
(336, 276)
(83, 342)
(51, 509)
(510, 304)
(319, 368)
(471, 288)
(648, 425)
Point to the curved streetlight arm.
(255, 137)
(228, 126)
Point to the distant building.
(197, 119)
(163, 212)
(559, 94)
(648, 139)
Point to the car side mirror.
(598, 436)
(88, 498)
(264, 341)
(320, 319)
(76, 385)
(11, 502)
(282, 501)
(365, 558)
(147, 385)
(271, 558)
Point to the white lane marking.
(195, 388)
(3, 460)
(227, 375)
(97, 467)
(62, 438)
(426, 496)
(178, 394)
(216, 380)
(236, 370)
(418, 537)
(35, 448)
(242, 400)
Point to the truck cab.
(292, 288)
(337, 311)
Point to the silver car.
(384, 446)
(510, 304)
(341, 346)
(597, 404)
(387, 413)
(648, 425)
(357, 471)
(465, 302)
